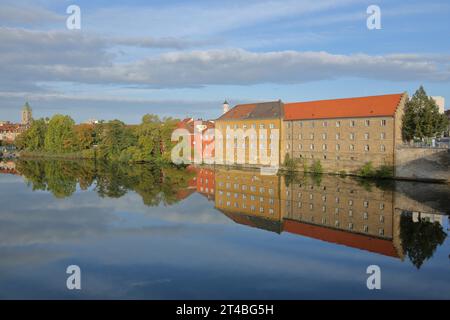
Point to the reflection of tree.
(420, 239)
(155, 184)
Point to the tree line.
(150, 141)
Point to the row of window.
(253, 126)
(337, 200)
(244, 206)
(351, 147)
(338, 136)
(338, 123)
(244, 187)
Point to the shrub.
(289, 163)
(316, 167)
(385, 172)
(367, 170)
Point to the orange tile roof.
(372, 106)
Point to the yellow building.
(343, 134)
(249, 134)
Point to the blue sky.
(180, 58)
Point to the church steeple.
(26, 114)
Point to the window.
(300, 124)
(271, 126)
(365, 216)
(338, 147)
(381, 206)
(366, 136)
(383, 123)
(366, 204)
(311, 196)
(352, 147)
(382, 219)
(367, 123)
(366, 228)
(382, 148)
(300, 147)
(261, 126)
(261, 209)
(352, 123)
(288, 146)
(300, 136)
(350, 202)
(366, 147)
(381, 232)
(325, 124)
(311, 136)
(352, 136)
(382, 136)
(253, 126)
(338, 136)
(312, 124)
(338, 124)
(324, 209)
(324, 147)
(324, 136)
(350, 226)
(311, 146)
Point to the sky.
(184, 58)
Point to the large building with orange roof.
(343, 134)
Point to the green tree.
(422, 118)
(115, 137)
(60, 136)
(33, 139)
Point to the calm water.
(166, 233)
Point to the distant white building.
(440, 101)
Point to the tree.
(115, 137)
(33, 139)
(60, 136)
(422, 118)
(420, 239)
(85, 136)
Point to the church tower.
(26, 114)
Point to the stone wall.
(422, 163)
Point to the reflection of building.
(202, 182)
(8, 167)
(248, 192)
(337, 210)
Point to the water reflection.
(357, 213)
(400, 220)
